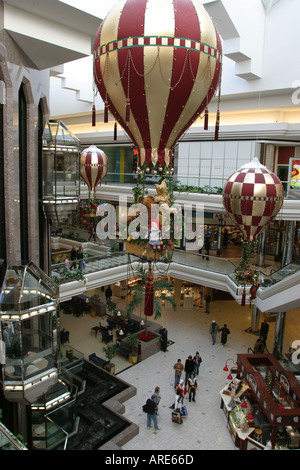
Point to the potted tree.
(138, 296)
(132, 341)
(110, 307)
(110, 352)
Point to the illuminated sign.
(294, 173)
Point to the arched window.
(23, 176)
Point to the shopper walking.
(163, 339)
(108, 294)
(225, 238)
(188, 368)
(92, 231)
(80, 259)
(224, 333)
(178, 367)
(207, 304)
(207, 247)
(197, 361)
(214, 328)
(181, 391)
(264, 329)
(192, 387)
(260, 345)
(151, 413)
(73, 257)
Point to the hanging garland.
(245, 273)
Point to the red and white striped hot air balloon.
(93, 166)
(157, 65)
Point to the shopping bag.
(183, 411)
(176, 417)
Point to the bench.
(97, 360)
(125, 352)
(133, 326)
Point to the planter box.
(148, 348)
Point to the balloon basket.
(145, 251)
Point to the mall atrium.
(59, 95)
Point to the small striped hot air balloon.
(93, 166)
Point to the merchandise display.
(261, 404)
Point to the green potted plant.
(110, 352)
(111, 306)
(132, 342)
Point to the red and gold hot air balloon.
(157, 65)
(93, 166)
(252, 197)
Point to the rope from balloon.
(94, 107)
(218, 108)
(127, 114)
(206, 109)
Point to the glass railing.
(55, 434)
(8, 441)
(200, 261)
(205, 184)
(60, 274)
(181, 182)
(278, 275)
(105, 261)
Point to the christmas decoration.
(157, 65)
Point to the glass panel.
(8, 441)
(28, 347)
(26, 287)
(60, 161)
(28, 309)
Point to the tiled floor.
(204, 428)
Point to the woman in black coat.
(189, 368)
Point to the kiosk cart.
(262, 404)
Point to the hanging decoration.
(94, 107)
(157, 65)
(149, 293)
(93, 166)
(252, 197)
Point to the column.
(289, 237)
(279, 334)
(255, 317)
(278, 246)
(261, 248)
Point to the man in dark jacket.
(188, 368)
(151, 412)
(108, 294)
(264, 329)
(163, 339)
